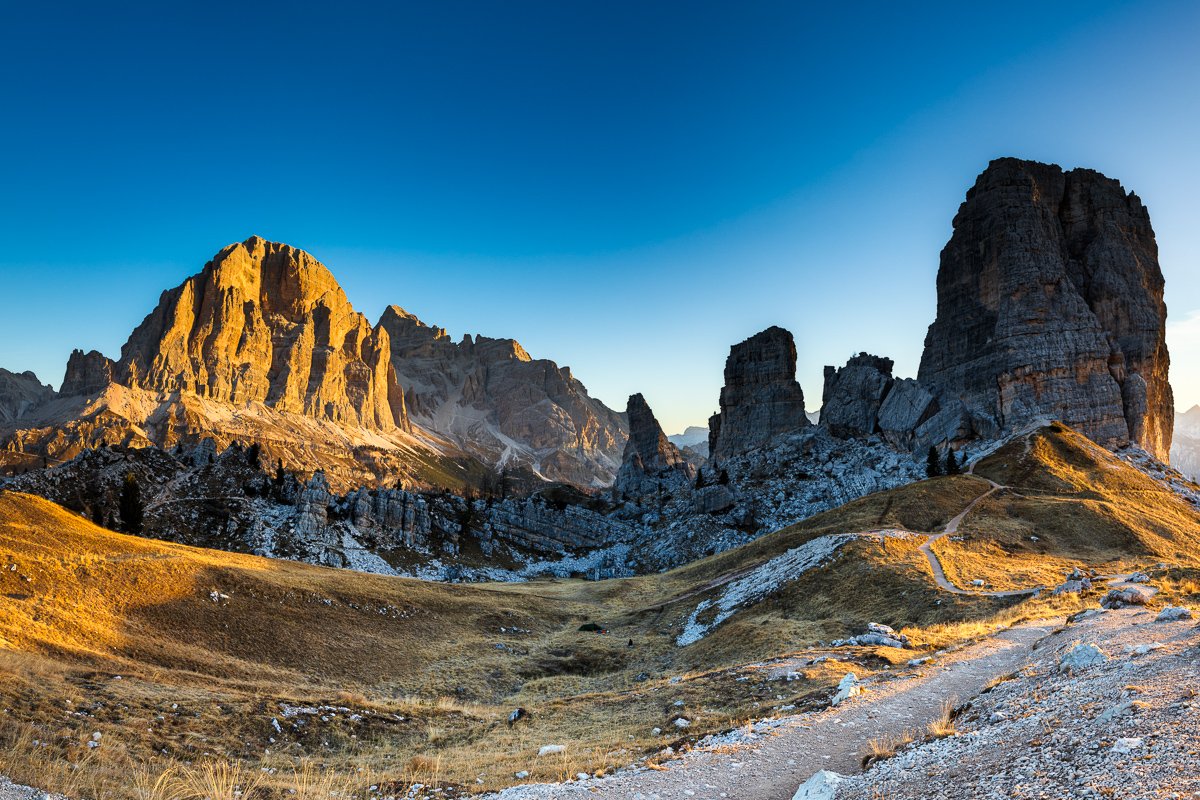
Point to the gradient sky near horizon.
(626, 188)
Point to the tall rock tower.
(1050, 304)
(761, 398)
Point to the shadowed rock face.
(761, 398)
(492, 398)
(853, 395)
(1050, 304)
(87, 373)
(649, 456)
(265, 322)
(20, 393)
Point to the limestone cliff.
(20, 393)
(492, 398)
(854, 394)
(1050, 304)
(87, 373)
(761, 398)
(267, 323)
(650, 461)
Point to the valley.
(177, 655)
(276, 551)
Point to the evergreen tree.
(951, 463)
(700, 484)
(723, 479)
(933, 464)
(252, 454)
(98, 515)
(280, 475)
(130, 505)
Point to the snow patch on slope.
(763, 580)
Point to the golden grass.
(887, 746)
(1069, 503)
(420, 691)
(943, 725)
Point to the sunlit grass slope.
(179, 655)
(1068, 503)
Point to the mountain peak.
(267, 322)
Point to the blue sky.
(627, 188)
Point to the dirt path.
(935, 564)
(835, 738)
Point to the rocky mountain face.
(1076, 335)
(490, 397)
(761, 398)
(20, 393)
(263, 346)
(267, 323)
(854, 394)
(694, 438)
(87, 373)
(651, 463)
(1050, 305)
(1185, 446)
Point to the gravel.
(1127, 727)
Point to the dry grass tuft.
(885, 747)
(943, 726)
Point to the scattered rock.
(848, 687)
(551, 750)
(821, 786)
(1081, 656)
(1129, 596)
(1173, 614)
(1073, 586)
(1127, 744)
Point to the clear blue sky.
(627, 188)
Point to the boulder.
(822, 786)
(1127, 744)
(854, 394)
(713, 499)
(848, 687)
(1073, 586)
(1173, 614)
(1129, 596)
(1082, 656)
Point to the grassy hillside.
(1067, 502)
(183, 656)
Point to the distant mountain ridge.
(1185, 448)
(262, 346)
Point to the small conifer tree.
(933, 464)
(130, 505)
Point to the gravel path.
(1127, 727)
(771, 767)
(14, 791)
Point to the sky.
(625, 188)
